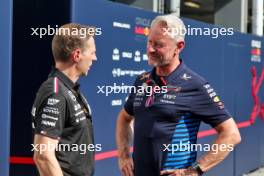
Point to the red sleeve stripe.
(56, 85)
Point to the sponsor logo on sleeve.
(48, 123)
(77, 120)
(77, 107)
(33, 111)
(51, 110)
(53, 101)
(78, 113)
(210, 91)
(45, 116)
(212, 94)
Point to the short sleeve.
(50, 116)
(129, 105)
(207, 106)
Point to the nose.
(95, 58)
(150, 48)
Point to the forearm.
(220, 149)
(123, 137)
(49, 166)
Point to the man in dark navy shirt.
(61, 116)
(166, 123)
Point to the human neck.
(167, 69)
(69, 70)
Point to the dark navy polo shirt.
(168, 122)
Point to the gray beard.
(158, 64)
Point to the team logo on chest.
(169, 97)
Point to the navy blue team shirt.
(171, 119)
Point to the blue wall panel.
(5, 79)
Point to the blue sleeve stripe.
(178, 167)
(189, 120)
(186, 129)
(179, 139)
(187, 124)
(193, 155)
(180, 163)
(185, 134)
(180, 153)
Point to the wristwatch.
(196, 167)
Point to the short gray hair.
(174, 24)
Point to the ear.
(75, 55)
(180, 45)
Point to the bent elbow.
(40, 158)
(237, 138)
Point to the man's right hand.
(123, 139)
(126, 166)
